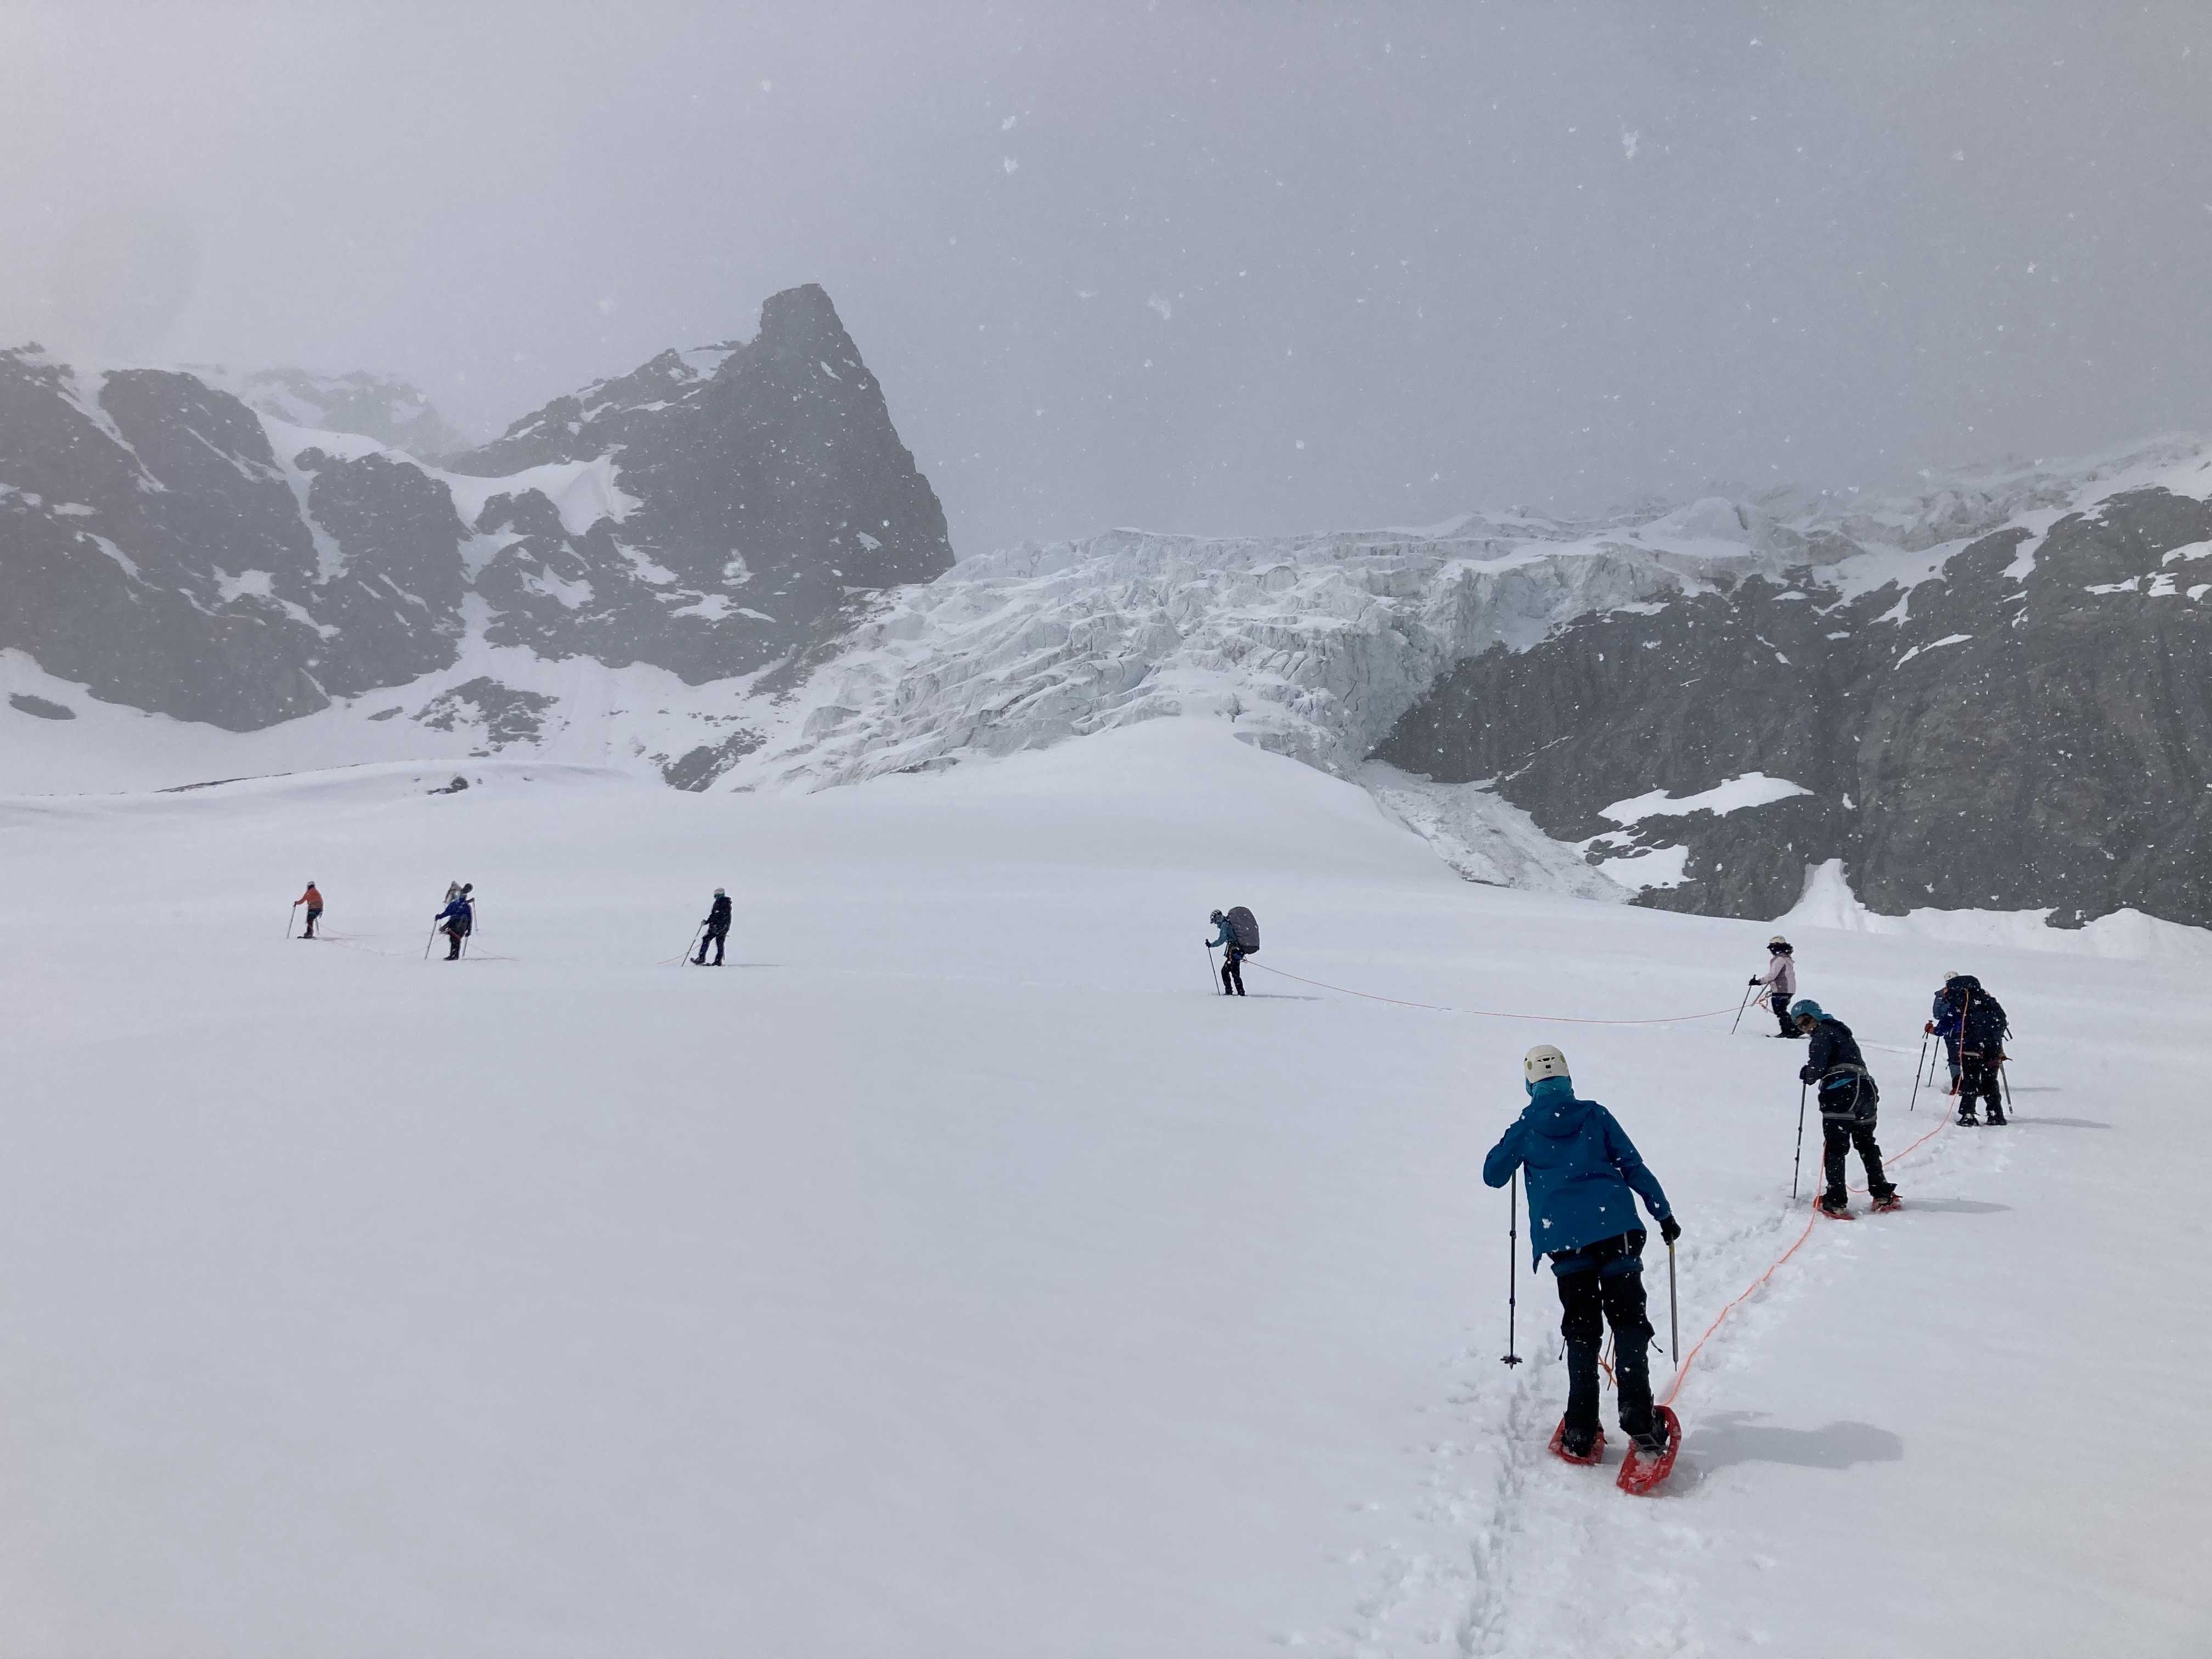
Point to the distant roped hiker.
(1239, 936)
(312, 899)
(717, 927)
(1973, 1025)
(1780, 980)
(459, 919)
(1585, 1177)
(1849, 1102)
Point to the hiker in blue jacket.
(458, 920)
(1585, 1176)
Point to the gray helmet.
(1214, 916)
(718, 892)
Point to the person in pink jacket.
(1780, 980)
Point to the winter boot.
(1837, 1205)
(1580, 1449)
(1996, 1115)
(1886, 1200)
(1652, 1442)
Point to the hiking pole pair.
(1740, 1006)
(1919, 1066)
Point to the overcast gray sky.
(1228, 267)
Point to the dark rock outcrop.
(760, 483)
(2030, 729)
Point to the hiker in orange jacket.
(313, 898)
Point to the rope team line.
(1482, 1013)
(1684, 1360)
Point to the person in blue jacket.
(460, 919)
(1585, 1177)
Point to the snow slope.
(959, 1275)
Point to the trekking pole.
(1674, 1324)
(1510, 1357)
(694, 946)
(1800, 1160)
(1740, 1006)
(432, 941)
(290, 916)
(1213, 980)
(1918, 1069)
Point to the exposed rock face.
(2029, 728)
(712, 513)
(153, 547)
(754, 486)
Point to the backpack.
(1244, 929)
(1985, 1023)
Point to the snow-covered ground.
(955, 1274)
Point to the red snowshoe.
(1559, 1445)
(1838, 1212)
(1884, 1204)
(1640, 1471)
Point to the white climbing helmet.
(1777, 940)
(1542, 1062)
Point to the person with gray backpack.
(1239, 937)
(1848, 1101)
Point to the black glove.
(1753, 979)
(1806, 1074)
(1669, 1229)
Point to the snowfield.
(956, 1274)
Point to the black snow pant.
(1838, 1136)
(1232, 970)
(712, 936)
(454, 935)
(1780, 1003)
(313, 916)
(1602, 1284)
(1977, 1080)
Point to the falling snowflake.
(1010, 164)
(1628, 143)
(1158, 302)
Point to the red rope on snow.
(1487, 1013)
(1682, 1365)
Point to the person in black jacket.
(717, 927)
(1848, 1101)
(1973, 1026)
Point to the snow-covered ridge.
(1313, 645)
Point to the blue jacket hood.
(1553, 1111)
